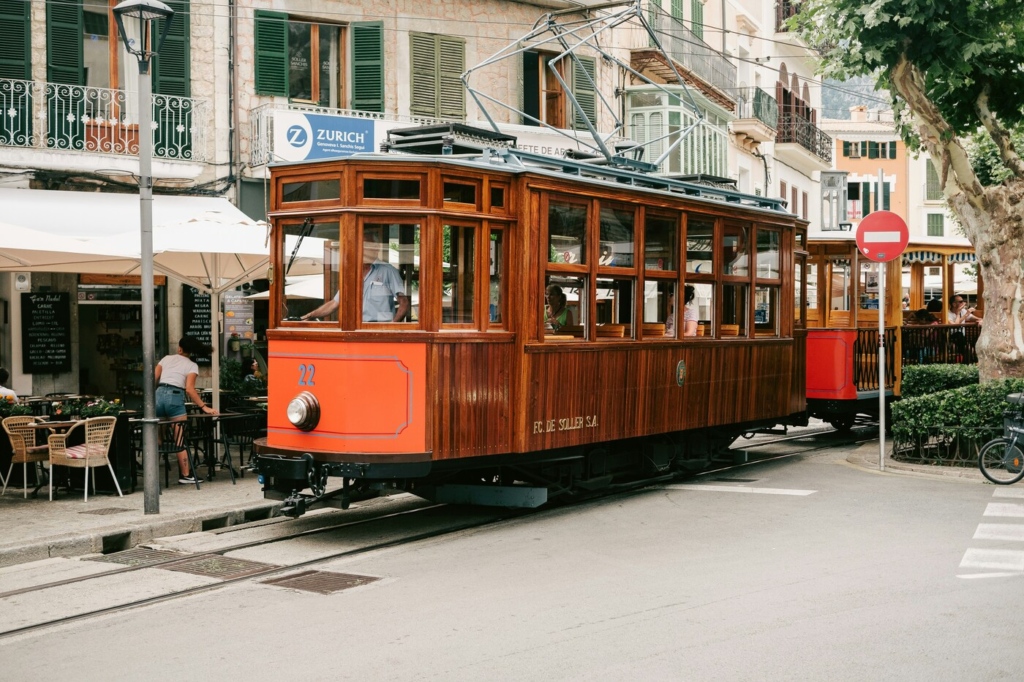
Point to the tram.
(842, 320)
(492, 326)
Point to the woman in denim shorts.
(175, 378)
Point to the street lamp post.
(135, 24)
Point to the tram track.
(491, 516)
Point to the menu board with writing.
(195, 318)
(238, 317)
(46, 332)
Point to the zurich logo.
(297, 136)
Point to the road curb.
(866, 456)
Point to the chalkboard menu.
(195, 318)
(46, 332)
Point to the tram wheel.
(843, 423)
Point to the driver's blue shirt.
(380, 286)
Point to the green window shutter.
(368, 66)
(846, 148)
(892, 150)
(863, 148)
(936, 225)
(271, 53)
(171, 72)
(697, 18)
(15, 48)
(677, 9)
(872, 150)
(933, 188)
(885, 196)
(865, 195)
(584, 75)
(451, 95)
(64, 30)
(424, 74)
(653, 16)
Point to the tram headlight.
(304, 411)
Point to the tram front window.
(310, 276)
(391, 272)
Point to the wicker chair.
(94, 452)
(23, 438)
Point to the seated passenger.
(690, 316)
(558, 315)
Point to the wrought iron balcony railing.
(804, 133)
(37, 114)
(756, 103)
(784, 9)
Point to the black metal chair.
(240, 431)
(172, 441)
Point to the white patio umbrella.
(299, 286)
(23, 249)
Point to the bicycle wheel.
(1002, 461)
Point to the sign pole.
(881, 348)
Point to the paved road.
(805, 568)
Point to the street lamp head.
(134, 20)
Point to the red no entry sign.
(882, 236)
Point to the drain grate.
(321, 582)
(737, 480)
(139, 556)
(105, 511)
(221, 567)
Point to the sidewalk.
(866, 456)
(34, 529)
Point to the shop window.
(391, 188)
(734, 310)
(661, 240)
(567, 232)
(700, 239)
(564, 308)
(766, 310)
(458, 256)
(616, 237)
(391, 272)
(614, 300)
(659, 314)
(314, 190)
(304, 244)
(496, 269)
(735, 251)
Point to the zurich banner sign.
(299, 136)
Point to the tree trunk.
(999, 243)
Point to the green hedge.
(921, 380)
(967, 412)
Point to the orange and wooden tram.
(475, 323)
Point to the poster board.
(46, 332)
(195, 319)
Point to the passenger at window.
(959, 313)
(558, 315)
(670, 317)
(690, 315)
(384, 298)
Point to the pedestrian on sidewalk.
(175, 378)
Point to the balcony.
(54, 116)
(757, 116)
(784, 10)
(802, 144)
(699, 64)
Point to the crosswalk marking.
(1000, 531)
(971, 576)
(1003, 491)
(999, 559)
(1005, 509)
(741, 489)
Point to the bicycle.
(1001, 460)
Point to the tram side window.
(812, 293)
(839, 284)
(700, 239)
(768, 254)
(735, 251)
(703, 304)
(868, 286)
(310, 272)
(615, 307)
(564, 299)
(391, 272)
(734, 310)
(497, 266)
(661, 236)
(616, 237)
(659, 308)
(458, 274)
(766, 310)
(567, 232)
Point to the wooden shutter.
(677, 9)
(172, 66)
(892, 150)
(423, 49)
(697, 18)
(368, 66)
(863, 148)
(846, 148)
(15, 48)
(865, 196)
(451, 95)
(271, 53)
(64, 32)
(872, 150)
(583, 90)
(531, 87)
(933, 188)
(885, 196)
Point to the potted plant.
(100, 408)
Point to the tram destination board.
(46, 332)
(195, 319)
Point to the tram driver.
(384, 298)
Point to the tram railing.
(951, 344)
(865, 359)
